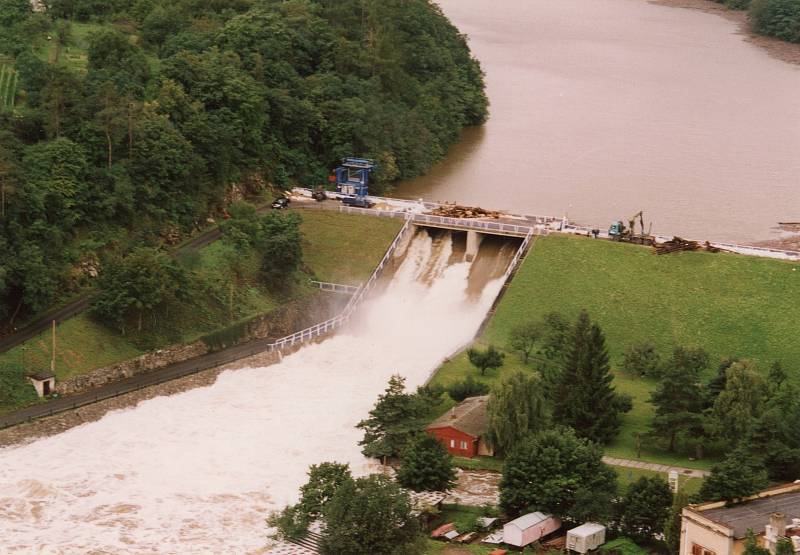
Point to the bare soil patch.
(782, 50)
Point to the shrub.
(642, 359)
(776, 18)
(467, 388)
(15, 390)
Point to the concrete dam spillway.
(199, 471)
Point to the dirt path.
(782, 50)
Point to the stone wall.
(294, 316)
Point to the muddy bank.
(782, 50)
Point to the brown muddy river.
(601, 108)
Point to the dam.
(198, 472)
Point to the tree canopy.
(166, 109)
(559, 473)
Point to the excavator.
(618, 231)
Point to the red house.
(461, 430)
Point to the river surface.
(602, 108)
(197, 473)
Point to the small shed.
(529, 528)
(44, 382)
(586, 537)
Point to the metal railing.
(372, 212)
(356, 299)
(478, 225)
(335, 287)
(358, 294)
(307, 334)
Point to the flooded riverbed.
(601, 108)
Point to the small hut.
(44, 382)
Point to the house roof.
(41, 376)
(527, 521)
(755, 512)
(587, 529)
(469, 417)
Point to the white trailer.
(586, 537)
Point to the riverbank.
(87, 351)
(782, 50)
(730, 305)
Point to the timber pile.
(677, 244)
(458, 211)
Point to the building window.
(464, 445)
(453, 443)
(700, 550)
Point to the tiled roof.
(469, 417)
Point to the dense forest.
(128, 123)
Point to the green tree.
(470, 387)
(396, 417)
(784, 546)
(143, 283)
(370, 516)
(426, 466)
(516, 409)
(524, 338)
(678, 401)
(672, 526)
(739, 475)
(281, 247)
(775, 433)
(14, 11)
(488, 359)
(113, 57)
(645, 508)
(777, 18)
(583, 397)
(15, 389)
(323, 481)
(558, 473)
(751, 546)
(642, 360)
(737, 409)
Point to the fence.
(477, 225)
(335, 287)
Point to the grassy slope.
(728, 304)
(83, 344)
(345, 248)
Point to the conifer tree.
(583, 397)
(740, 474)
(427, 466)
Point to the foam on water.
(198, 472)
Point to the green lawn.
(342, 248)
(329, 239)
(728, 304)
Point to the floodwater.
(199, 471)
(602, 108)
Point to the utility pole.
(53, 359)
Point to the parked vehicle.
(280, 203)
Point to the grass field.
(342, 248)
(329, 239)
(728, 304)
(8, 87)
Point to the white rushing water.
(197, 472)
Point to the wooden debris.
(677, 244)
(458, 211)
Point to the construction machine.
(618, 231)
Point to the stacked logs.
(677, 244)
(458, 211)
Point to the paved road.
(171, 372)
(66, 312)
